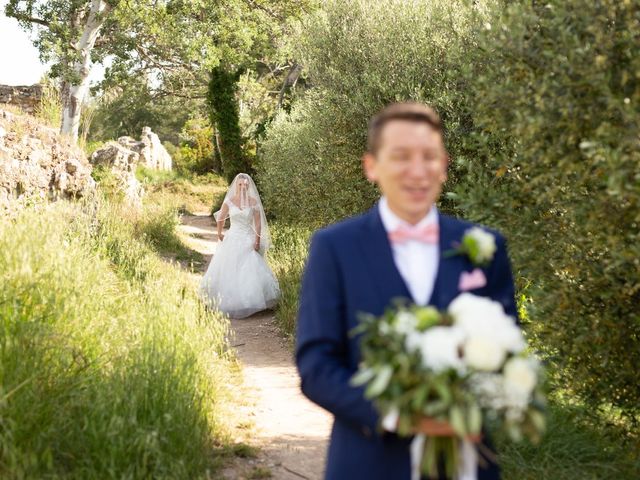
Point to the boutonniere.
(477, 244)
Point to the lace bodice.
(241, 219)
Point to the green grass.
(187, 193)
(287, 258)
(260, 472)
(572, 448)
(110, 366)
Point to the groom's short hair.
(409, 111)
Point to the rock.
(115, 156)
(34, 164)
(72, 165)
(156, 156)
(123, 156)
(27, 97)
(122, 163)
(151, 151)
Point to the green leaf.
(427, 317)
(362, 376)
(442, 389)
(380, 383)
(435, 408)
(474, 418)
(419, 397)
(456, 419)
(538, 420)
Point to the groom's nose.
(417, 167)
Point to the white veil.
(243, 198)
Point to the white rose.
(464, 305)
(440, 348)
(405, 323)
(520, 376)
(482, 353)
(470, 308)
(481, 316)
(486, 243)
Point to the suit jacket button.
(366, 431)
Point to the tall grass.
(49, 111)
(190, 193)
(287, 258)
(110, 366)
(572, 448)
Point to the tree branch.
(22, 17)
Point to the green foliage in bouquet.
(418, 362)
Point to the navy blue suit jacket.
(350, 270)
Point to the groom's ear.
(368, 165)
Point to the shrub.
(195, 153)
(541, 104)
(556, 100)
(360, 56)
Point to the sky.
(19, 59)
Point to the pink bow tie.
(427, 234)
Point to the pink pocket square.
(472, 280)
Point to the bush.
(110, 366)
(541, 104)
(360, 56)
(195, 153)
(556, 100)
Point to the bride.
(238, 280)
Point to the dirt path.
(291, 432)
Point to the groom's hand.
(432, 427)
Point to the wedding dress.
(238, 280)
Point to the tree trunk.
(74, 94)
(225, 117)
(217, 156)
(290, 80)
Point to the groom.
(355, 267)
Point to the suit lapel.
(445, 287)
(379, 259)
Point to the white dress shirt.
(416, 261)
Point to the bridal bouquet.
(466, 366)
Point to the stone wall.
(36, 163)
(26, 97)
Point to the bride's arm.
(224, 211)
